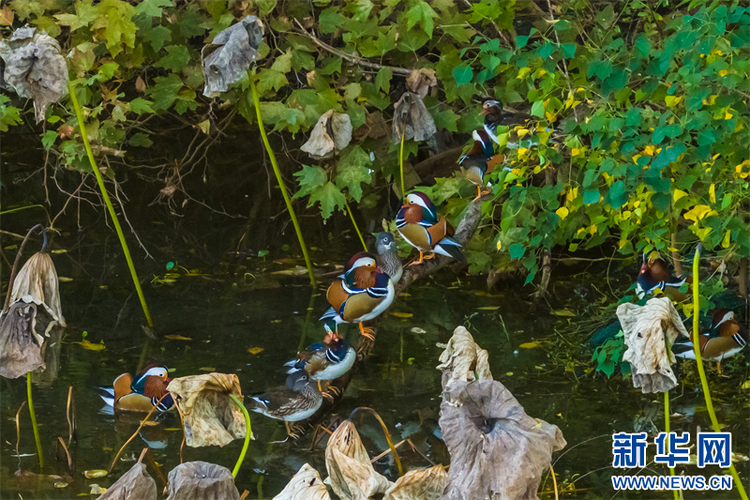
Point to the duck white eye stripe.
(738, 338)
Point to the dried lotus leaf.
(648, 329)
(304, 485)
(412, 119)
(201, 481)
(463, 360)
(420, 80)
(237, 49)
(419, 484)
(135, 484)
(20, 344)
(37, 283)
(211, 417)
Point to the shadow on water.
(217, 309)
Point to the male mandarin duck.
(362, 293)
(326, 361)
(418, 223)
(654, 274)
(388, 261)
(143, 394)
(479, 160)
(726, 338)
(295, 401)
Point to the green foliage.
(608, 356)
(649, 108)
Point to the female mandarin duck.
(326, 361)
(362, 293)
(479, 161)
(418, 223)
(654, 274)
(388, 260)
(726, 338)
(143, 394)
(297, 400)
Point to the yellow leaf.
(522, 132)
(95, 473)
(725, 241)
(678, 193)
(649, 150)
(572, 194)
(529, 345)
(255, 350)
(712, 193)
(402, 314)
(699, 212)
(488, 308)
(564, 312)
(91, 346)
(562, 212)
(64, 279)
(701, 232)
(728, 115)
(575, 151)
(177, 337)
(746, 384)
(499, 245)
(207, 368)
(723, 72)
(523, 73)
(672, 101)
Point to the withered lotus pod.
(37, 283)
(419, 484)
(201, 481)
(34, 68)
(304, 485)
(497, 451)
(332, 132)
(646, 328)
(412, 119)
(211, 417)
(135, 484)
(420, 80)
(351, 473)
(20, 343)
(463, 360)
(237, 49)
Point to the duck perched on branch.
(418, 223)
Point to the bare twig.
(494, 25)
(67, 453)
(18, 428)
(350, 57)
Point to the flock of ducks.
(367, 288)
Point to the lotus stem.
(666, 441)
(554, 481)
(702, 372)
(143, 422)
(14, 270)
(387, 436)
(279, 178)
(356, 227)
(248, 435)
(401, 162)
(34, 425)
(108, 202)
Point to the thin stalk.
(108, 202)
(356, 227)
(385, 432)
(401, 162)
(14, 269)
(702, 373)
(143, 422)
(280, 179)
(34, 425)
(248, 435)
(666, 441)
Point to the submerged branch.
(464, 232)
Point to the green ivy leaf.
(271, 79)
(591, 196)
(423, 14)
(140, 105)
(383, 79)
(462, 74)
(152, 8)
(516, 251)
(329, 198)
(115, 20)
(177, 57)
(309, 178)
(164, 91)
(352, 170)
(140, 140)
(616, 196)
(537, 109)
(49, 138)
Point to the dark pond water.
(227, 303)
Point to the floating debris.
(304, 485)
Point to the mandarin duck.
(654, 274)
(495, 116)
(362, 293)
(297, 400)
(388, 261)
(418, 223)
(479, 161)
(142, 395)
(726, 338)
(326, 361)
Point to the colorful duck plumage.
(418, 223)
(654, 274)
(297, 400)
(480, 160)
(726, 338)
(142, 394)
(362, 293)
(328, 360)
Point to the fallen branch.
(464, 233)
(352, 58)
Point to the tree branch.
(352, 58)
(464, 232)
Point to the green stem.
(34, 425)
(248, 435)
(401, 163)
(105, 196)
(354, 223)
(701, 371)
(280, 179)
(666, 429)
